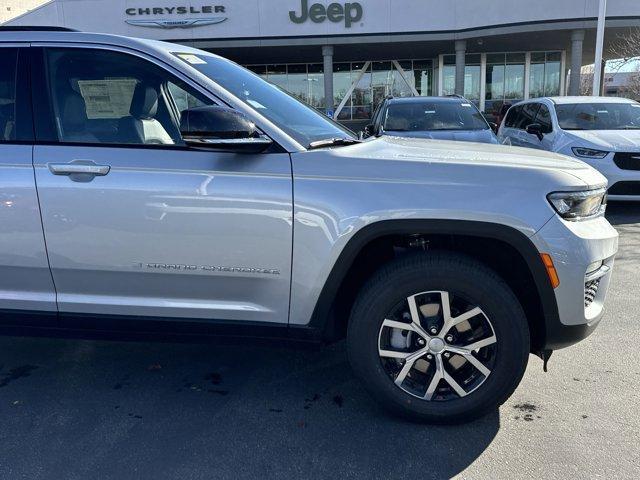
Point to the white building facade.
(343, 57)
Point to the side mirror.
(369, 130)
(221, 128)
(535, 129)
(494, 126)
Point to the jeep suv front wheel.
(438, 337)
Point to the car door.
(528, 117)
(136, 222)
(508, 133)
(25, 279)
(544, 119)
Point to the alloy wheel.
(437, 346)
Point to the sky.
(633, 66)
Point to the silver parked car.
(151, 187)
(436, 118)
(601, 131)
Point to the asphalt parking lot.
(91, 409)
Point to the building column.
(461, 50)
(327, 54)
(577, 39)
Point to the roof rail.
(35, 28)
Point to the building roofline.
(28, 12)
(565, 23)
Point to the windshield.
(305, 124)
(430, 116)
(599, 116)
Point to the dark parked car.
(439, 118)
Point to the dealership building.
(343, 57)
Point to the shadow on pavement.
(93, 409)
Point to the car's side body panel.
(340, 191)
(25, 279)
(167, 231)
(25, 282)
(173, 233)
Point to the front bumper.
(622, 180)
(583, 254)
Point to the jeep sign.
(349, 13)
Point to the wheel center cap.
(436, 345)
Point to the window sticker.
(468, 105)
(108, 98)
(254, 104)
(191, 58)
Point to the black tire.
(461, 276)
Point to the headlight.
(588, 152)
(579, 205)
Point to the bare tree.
(632, 88)
(626, 51)
(626, 48)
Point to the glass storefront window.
(382, 78)
(315, 79)
(552, 74)
(504, 82)
(544, 78)
(494, 89)
(472, 78)
(514, 77)
(401, 86)
(449, 75)
(422, 74)
(536, 80)
(361, 97)
(380, 81)
(277, 74)
(297, 82)
(341, 85)
(259, 70)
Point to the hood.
(611, 140)
(482, 158)
(481, 136)
(401, 178)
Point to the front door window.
(102, 97)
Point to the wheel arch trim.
(320, 319)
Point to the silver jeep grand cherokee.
(151, 187)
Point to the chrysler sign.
(175, 17)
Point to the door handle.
(79, 169)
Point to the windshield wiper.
(333, 142)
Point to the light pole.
(310, 89)
(597, 65)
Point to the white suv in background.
(602, 131)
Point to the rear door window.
(513, 116)
(529, 112)
(544, 119)
(8, 77)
